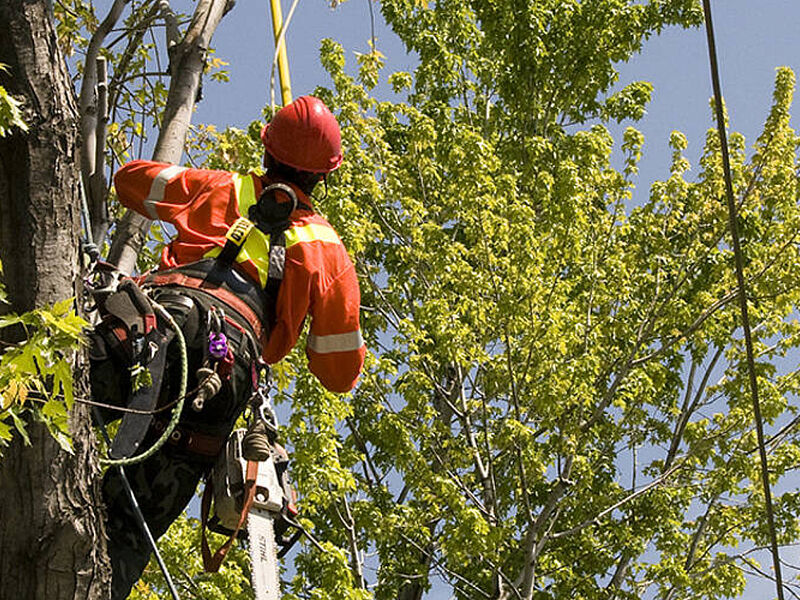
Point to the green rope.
(176, 412)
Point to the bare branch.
(98, 188)
(362, 447)
(708, 312)
(88, 107)
(355, 555)
(533, 544)
(173, 32)
(447, 572)
(688, 409)
(489, 492)
(596, 519)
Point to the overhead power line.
(737, 252)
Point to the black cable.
(138, 513)
(737, 252)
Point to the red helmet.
(304, 135)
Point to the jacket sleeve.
(335, 347)
(158, 190)
(330, 297)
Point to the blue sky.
(754, 37)
(244, 38)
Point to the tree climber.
(222, 275)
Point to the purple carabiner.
(217, 345)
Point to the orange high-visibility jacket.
(319, 277)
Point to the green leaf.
(63, 440)
(54, 410)
(5, 431)
(64, 307)
(62, 381)
(9, 320)
(19, 424)
(10, 113)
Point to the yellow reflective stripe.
(256, 245)
(245, 192)
(256, 249)
(313, 232)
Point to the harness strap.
(133, 428)
(277, 263)
(211, 563)
(194, 442)
(231, 299)
(270, 218)
(235, 239)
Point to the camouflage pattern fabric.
(163, 486)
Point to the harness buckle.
(238, 232)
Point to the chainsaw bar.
(264, 554)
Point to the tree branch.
(187, 69)
(91, 130)
(596, 519)
(533, 544)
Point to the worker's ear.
(325, 183)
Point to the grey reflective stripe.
(277, 261)
(339, 342)
(157, 188)
(150, 206)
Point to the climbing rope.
(176, 412)
(737, 252)
(280, 55)
(137, 511)
(40, 397)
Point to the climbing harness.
(104, 279)
(128, 329)
(233, 305)
(737, 251)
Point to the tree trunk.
(51, 522)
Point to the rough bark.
(187, 60)
(51, 523)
